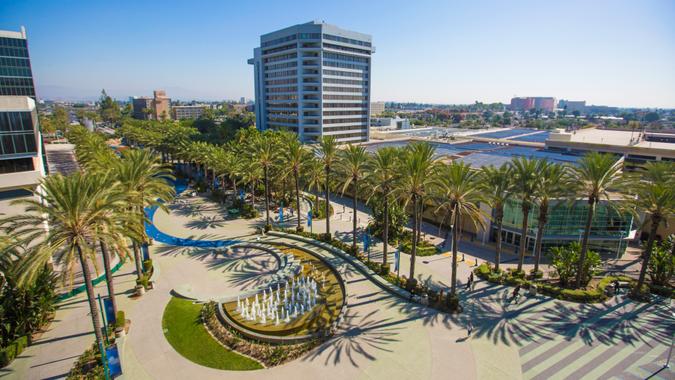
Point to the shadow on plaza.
(358, 337)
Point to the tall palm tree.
(352, 165)
(327, 153)
(81, 209)
(525, 171)
(458, 192)
(314, 178)
(146, 182)
(593, 177)
(553, 183)
(382, 176)
(295, 156)
(498, 188)
(265, 155)
(654, 189)
(418, 172)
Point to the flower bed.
(268, 354)
(593, 295)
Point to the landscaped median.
(595, 292)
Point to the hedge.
(7, 354)
(513, 278)
(120, 319)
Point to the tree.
(662, 262)
(295, 156)
(108, 108)
(418, 172)
(145, 182)
(651, 117)
(352, 165)
(498, 188)
(314, 178)
(382, 176)
(564, 260)
(593, 177)
(654, 190)
(76, 206)
(265, 154)
(553, 183)
(458, 193)
(525, 171)
(327, 153)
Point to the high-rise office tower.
(314, 79)
(16, 77)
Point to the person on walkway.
(469, 282)
(516, 294)
(469, 328)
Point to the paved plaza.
(383, 336)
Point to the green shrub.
(483, 270)
(664, 291)
(13, 350)
(424, 247)
(565, 260)
(662, 263)
(120, 319)
(144, 280)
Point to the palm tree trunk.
(385, 233)
(498, 251)
(93, 309)
(267, 199)
(108, 276)
(137, 260)
(297, 197)
(543, 214)
(584, 242)
(646, 255)
(420, 217)
(453, 285)
(413, 249)
(327, 205)
(354, 225)
(523, 238)
(253, 193)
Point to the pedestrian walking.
(516, 294)
(469, 282)
(469, 328)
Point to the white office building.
(314, 79)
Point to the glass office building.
(16, 76)
(610, 229)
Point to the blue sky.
(606, 52)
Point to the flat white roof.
(616, 138)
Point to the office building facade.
(314, 79)
(16, 77)
(188, 112)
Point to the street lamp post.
(670, 351)
(618, 250)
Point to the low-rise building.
(188, 112)
(390, 123)
(376, 108)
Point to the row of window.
(15, 62)
(282, 97)
(283, 89)
(13, 42)
(17, 91)
(281, 57)
(345, 81)
(345, 74)
(284, 113)
(13, 52)
(346, 120)
(15, 122)
(345, 48)
(281, 65)
(15, 71)
(345, 113)
(281, 81)
(16, 82)
(282, 105)
(346, 40)
(345, 89)
(345, 105)
(344, 97)
(17, 143)
(281, 74)
(16, 165)
(344, 57)
(282, 120)
(345, 65)
(309, 36)
(278, 49)
(279, 40)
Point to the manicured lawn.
(185, 332)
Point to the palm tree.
(418, 169)
(146, 183)
(382, 175)
(593, 176)
(458, 192)
(525, 172)
(498, 187)
(654, 189)
(552, 183)
(81, 209)
(314, 179)
(264, 151)
(327, 153)
(294, 156)
(352, 165)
